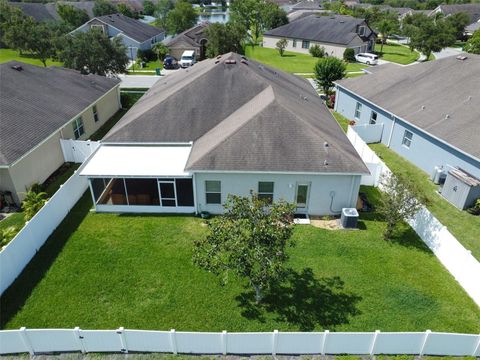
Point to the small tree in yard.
(349, 55)
(328, 70)
(400, 202)
(281, 45)
(161, 50)
(317, 51)
(249, 240)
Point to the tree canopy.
(473, 44)
(162, 9)
(71, 15)
(223, 38)
(250, 240)
(181, 17)
(103, 7)
(327, 70)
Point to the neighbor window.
(358, 110)
(95, 113)
(265, 191)
(373, 118)
(78, 129)
(294, 43)
(213, 192)
(305, 44)
(361, 30)
(407, 138)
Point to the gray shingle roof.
(308, 5)
(48, 11)
(335, 29)
(132, 28)
(244, 117)
(192, 36)
(471, 9)
(37, 101)
(443, 87)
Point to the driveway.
(447, 52)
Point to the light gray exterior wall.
(425, 151)
(345, 188)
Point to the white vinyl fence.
(78, 151)
(37, 341)
(451, 253)
(370, 133)
(23, 247)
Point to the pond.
(214, 16)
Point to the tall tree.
(281, 45)
(385, 27)
(458, 22)
(327, 70)
(126, 10)
(104, 7)
(181, 17)
(93, 52)
(473, 44)
(249, 240)
(148, 7)
(162, 9)
(16, 32)
(223, 38)
(71, 15)
(160, 50)
(42, 42)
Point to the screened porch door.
(167, 191)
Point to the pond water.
(214, 17)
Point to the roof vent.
(461, 57)
(17, 67)
(217, 61)
(469, 98)
(325, 162)
(325, 144)
(244, 58)
(447, 116)
(423, 107)
(230, 61)
(244, 62)
(219, 56)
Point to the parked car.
(187, 59)
(367, 58)
(170, 62)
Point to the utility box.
(461, 188)
(349, 218)
(439, 175)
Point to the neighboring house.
(38, 107)
(334, 32)
(226, 126)
(306, 7)
(135, 35)
(194, 38)
(428, 113)
(473, 10)
(470, 29)
(48, 11)
(400, 11)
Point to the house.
(226, 126)
(304, 8)
(135, 35)
(472, 10)
(334, 32)
(48, 11)
(428, 113)
(38, 107)
(470, 29)
(194, 38)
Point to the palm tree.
(384, 27)
(161, 50)
(33, 202)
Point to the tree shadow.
(19, 291)
(304, 301)
(404, 235)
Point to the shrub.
(6, 235)
(146, 55)
(33, 202)
(349, 55)
(475, 209)
(317, 51)
(281, 45)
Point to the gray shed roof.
(424, 94)
(132, 28)
(334, 29)
(35, 102)
(242, 117)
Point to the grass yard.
(291, 61)
(464, 226)
(148, 68)
(397, 53)
(108, 270)
(9, 54)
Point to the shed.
(461, 188)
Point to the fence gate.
(77, 150)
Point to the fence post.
(25, 340)
(173, 342)
(79, 339)
(224, 342)
(374, 340)
(422, 349)
(274, 342)
(123, 341)
(324, 342)
(477, 346)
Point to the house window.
(407, 138)
(361, 30)
(95, 113)
(305, 44)
(213, 192)
(358, 110)
(78, 129)
(373, 118)
(265, 191)
(294, 43)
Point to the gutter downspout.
(391, 131)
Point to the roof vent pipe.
(17, 67)
(230, 61)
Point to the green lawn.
(464, 226)
(291, 61)
(397, 53)
(109, 270)
(148, 68)
(8, 55)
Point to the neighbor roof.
(441, 97)
(48, 11)
(191, 36)
(132, 28)
(37, 101)
(335, 29)
(471, 9)
(240, 117)
(308, 5)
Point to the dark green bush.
(317, 51)
(349, 55)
